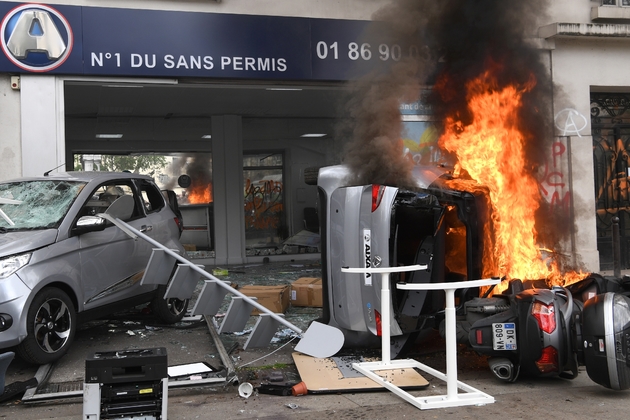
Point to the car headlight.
(12, 264)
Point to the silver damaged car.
(61, 264)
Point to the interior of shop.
(164, 128)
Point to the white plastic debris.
(245, 389)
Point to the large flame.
(200, 194)
(491, 150)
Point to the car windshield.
(36, 204)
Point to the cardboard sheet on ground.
(324, 375)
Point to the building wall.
(336, 9)
(10, 139)
(582, 65)
(570, 11)
(578, 64)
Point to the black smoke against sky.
(461, 38)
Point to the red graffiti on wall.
(553, 185)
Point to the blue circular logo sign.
(36, 37)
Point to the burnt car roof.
(82, 176)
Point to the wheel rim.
(176, 306)
(53, 324)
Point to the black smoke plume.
(459, 39)
(462, 39)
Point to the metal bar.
(223, 354)
(616, 247)
(452, 398)
(451, 349)
(385, 327)
(385, 301)
(42, 375)
(129, 230)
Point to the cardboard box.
(307, 291)
(274, 298)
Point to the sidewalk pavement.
(190, 342)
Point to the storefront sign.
(130, 42)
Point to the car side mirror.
(89, 224)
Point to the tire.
(50, 325)
(169, 311)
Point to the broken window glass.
(36, 204)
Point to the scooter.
(536, 331)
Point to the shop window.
(188, 175)
(265, 224)
(615, 2)
(420, 137)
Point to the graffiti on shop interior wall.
(263, 204)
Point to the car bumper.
(13, 299)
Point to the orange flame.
(491, 150)
(200, 194)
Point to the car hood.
(12, 243)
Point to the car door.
(112, 263)
(162, 222)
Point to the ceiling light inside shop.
(206, 136)
(311, 135)
(123, 86)
(109, 136)
(283, 88)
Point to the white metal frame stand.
(471, 396)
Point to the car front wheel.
(50, 326)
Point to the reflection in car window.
(36, 204)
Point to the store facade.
(229, 93)
(225, 107)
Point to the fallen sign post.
(319, 340)
(472, 396)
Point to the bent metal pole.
(134, 233)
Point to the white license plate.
(504, 336)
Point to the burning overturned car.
(467, 202)
(527, 327)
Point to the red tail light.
(545, 315)
(479, 336)
(179, 224)
(548, 361)
(377, 196)
(379, 325)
